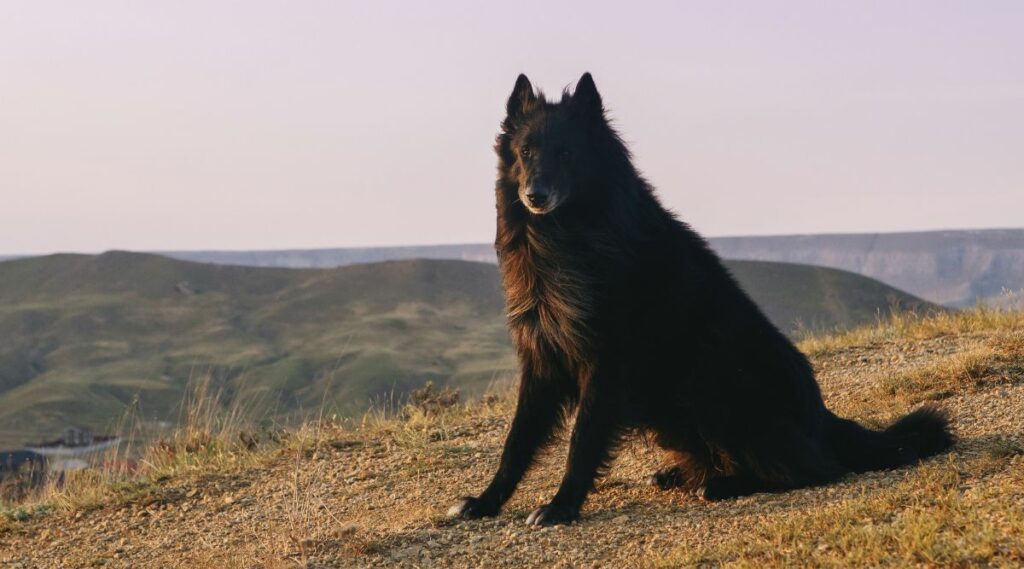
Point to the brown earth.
(375, 495)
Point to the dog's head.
(549, 149)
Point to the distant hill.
(340, 257)
(84, 335)
(804, 298)
(955, 268)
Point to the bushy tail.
(920, 434)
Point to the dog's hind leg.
(688, 462)
(685, 470)
(786, 460)
(669, 477)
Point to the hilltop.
(954, 268)
(87, 337)
(375, 493)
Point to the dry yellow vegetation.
(374, 493)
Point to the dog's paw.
(668, 478)
(724, 488)
(470, 508)
(553, 514)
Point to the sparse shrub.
(490, 400)
(428, 400)
(248, 440)
(1010, 343)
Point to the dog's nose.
(536, 198)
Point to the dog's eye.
(525, 151)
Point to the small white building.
(74, 450)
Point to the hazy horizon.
(230, 126)
(485, 242)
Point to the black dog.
(622, 313)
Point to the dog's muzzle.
(539, 199)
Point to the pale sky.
(244, 125)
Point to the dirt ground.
(376, 496)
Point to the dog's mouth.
(539, 202)
(539, 210)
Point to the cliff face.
(955, 268)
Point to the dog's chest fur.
(550, 296)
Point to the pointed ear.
(586, 96)
(522, 98)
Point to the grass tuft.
(934, 518)
(998, 361)
(916, 326)
(213, 435)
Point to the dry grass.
(355, 493)
(1000, 360)
(913, 326)
(216, 433)
(941, 515)
(966, 510)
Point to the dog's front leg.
(539, 409)
(596, 430)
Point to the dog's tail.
(920, 434)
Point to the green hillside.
(801, 298)
(82, 336)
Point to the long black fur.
(621, 313)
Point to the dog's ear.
(586, 96)
(522, 98)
